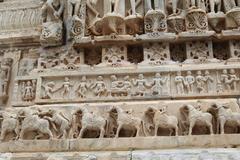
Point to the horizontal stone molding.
(122, 144)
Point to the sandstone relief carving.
(114, 121)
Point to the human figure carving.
(157, 84)
(162, 120)
(66, 86)
(160, 5)
(28, 92)
(52, 10)
(49, 90)
(194, 116)
(5, 69)
(141, 84)
(200, 80)
(126, 120)
(189, 82)
(74, 7)
(226, 82)
(83, 87)
(179, 81)
(208, 81)
(99, 87)
(217, 3)
(233, 79)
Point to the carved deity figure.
(141, 84)
(157, 84)
(200, 80)
(179, 81)
(28, 91)
(208, 81)
(189, 82)
(52, 10)
(99, 87)
(83, 87)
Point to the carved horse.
(32, 122)
(161, 119)
(224, 114)
(9, 124)
(126, 120)
(90, 120)
(194, 116)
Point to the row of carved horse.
(46, 123)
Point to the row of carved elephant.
(82, 122)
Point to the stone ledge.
(122, 144)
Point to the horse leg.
(102, 132)
(192, 124)
(118, 130)
(171, 132)
(176, 130)
(3, 134)
(48, 132)
(156, 130)
(81, 132)
(222, 124)
(210, 126)
(138, 130)
(22, 134)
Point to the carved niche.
(5, 74)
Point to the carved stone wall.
(119, 79)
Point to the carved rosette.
(155, 21)
(196, 21)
